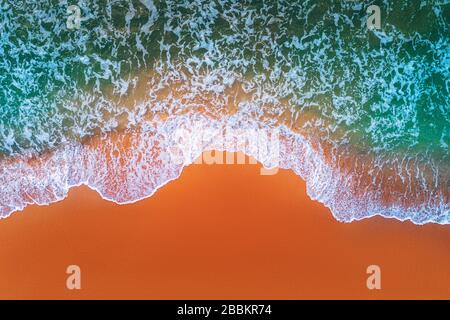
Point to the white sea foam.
(126, 175)
(378, 101)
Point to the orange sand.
(220, 231)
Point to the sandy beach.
(217, 232)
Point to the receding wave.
(362, 116)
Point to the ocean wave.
(363, 115)
(132, 165)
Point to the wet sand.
(220, 231)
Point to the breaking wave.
(362, 116)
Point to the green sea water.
(383, 93)
(387, 89)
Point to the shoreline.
(352, 188)
(219, 231)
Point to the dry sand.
(220, 231)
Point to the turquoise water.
(380, 94)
